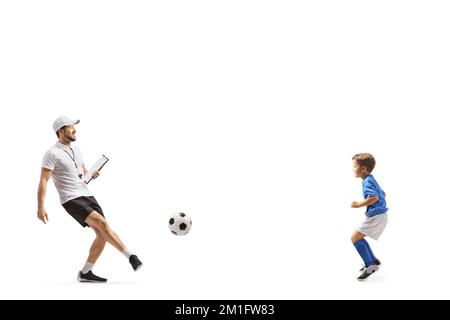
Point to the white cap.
(63, 121)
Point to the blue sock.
(364, 252)
(372, 256)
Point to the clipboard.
(96, 167)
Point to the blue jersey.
(371, 188)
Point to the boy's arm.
(367, 202)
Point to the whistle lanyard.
(73, 159)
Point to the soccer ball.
(180, 224)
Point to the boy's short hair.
(365, 160)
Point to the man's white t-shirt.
(60, 159)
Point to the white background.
(243, 114)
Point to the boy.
(376, 217)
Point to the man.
(64, 163)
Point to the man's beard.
(71, 139)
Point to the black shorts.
(79, 208)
